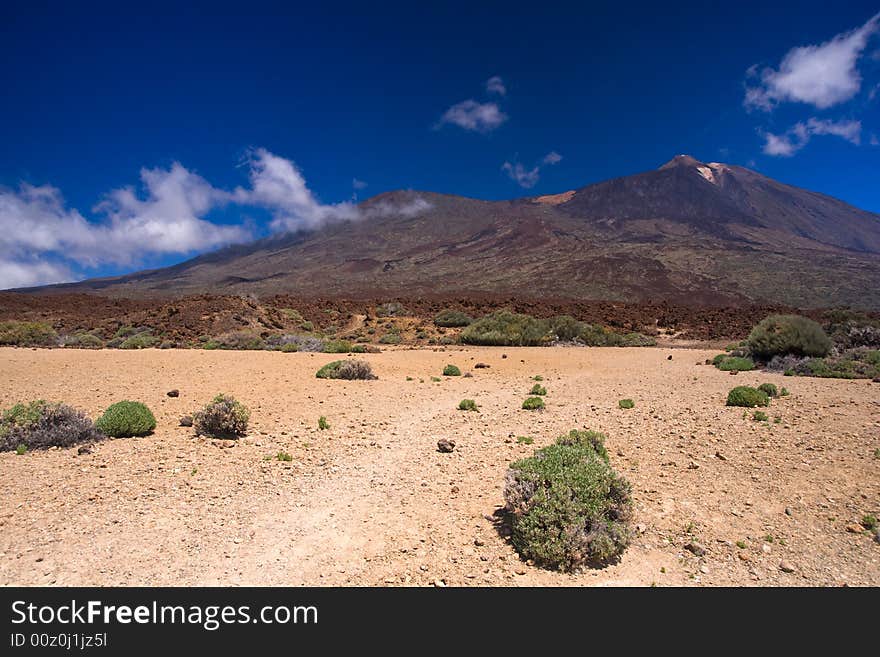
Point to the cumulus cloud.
(474, 116)
(799, 135)
(528, 178)
(495, 85)
(821, 75)
(43, 241)
(358, 184)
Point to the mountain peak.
(682, 161)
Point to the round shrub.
(737, 363)
(770, 389)
(778, 335)
(538, 389)
(533, 404)
(593, 439)
(626, 403)
(506, 328)
(337, 347)
(748, 397)
(139, 341)
(567, 507)
(468, 405)
(224, 417)
(27, 334)
(346, 369)
(451, 370)
(40, 425)
(452, 319)
(565, 327)
(126, 418)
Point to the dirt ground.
(371, 501)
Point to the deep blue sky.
(92, 93)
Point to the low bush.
(587, 438)
(126, 418)
(27, 334)
(389, 338)
(735, 363)
(323, 425)
(41, 425)
(223, 417)
(779, 335)
(567, 507)
(565, 327)
(594, 335)
(452, 319)
(748, 397)
(337, 347)
(82, 340)
(533, 404)
(505, 328)
(468, 405)
(283, 456)
(770, 389)
(140, 341)
(391, 309)
(538, 389)
(301, 342)
(759, 416)
(238, 341)
(451, 370)
(346, 369)
(288, 348)
(626, 403)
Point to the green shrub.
(567, 507)
(626, 403)
(140, 341)
(525, 440)
(21, 450)
(748, 397)
(346, 369)
(784, 392)
(451, 370)
(869, 522)
(289, 348)
(40, 425)
(452, 318)
(504, 328)
(238, 341)
(770, 389)
(468, 405)
(720, 358)
(565, 327)
(358, 349)
(224, 417)
(27, 334)
(778, 335)
(637, 340)
(126, 418)
(390, 338)
(283, 456)
(538, 378)
(83, 340)
(736, 363)
(323, 424)
(538, 389)
(337, 347)
(533, 404)
(595, 440)
(759, 416)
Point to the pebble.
(695, 548)
(786, 567)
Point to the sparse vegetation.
(41, 425)
(565, 327)
(451, 370)
(323, 425)
(781, 335)
(770, 389)
(594, 335)
(533, 404)
(567, 507)
(538, 378)
(452, 319)
(626, 403)
(538, 389)
(144, 340)
(27, 334)
(283, 456)
(238, 341)
(731, 363)
(869, 522)
(337, 347)
(125, 419)
(468, 405)
(390, 309)
(82, 340)
(759, 416)
(525, 440)
(390, 338)
(223, 417)
(346, 369)
(748, 397)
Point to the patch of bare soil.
(371, 501)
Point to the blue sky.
(139, 137)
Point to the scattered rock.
(855, 528)
(444, 445)
(876, 379)
(467, 375)
(479, 542)
(788, 511)
(693, 465)
(734, 372)
(669, 357)
(186, 421)
(504, 355)
(173, 393)
(695, 548)
(786, 567)
(481, 366)
(84, 449)
(720, 456)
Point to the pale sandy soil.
(372, 502)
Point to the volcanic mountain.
(689, 232)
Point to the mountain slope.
(687, 232)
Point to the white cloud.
(528, 178)
(799, 135)
(43, 241)
(358, 184)
(820, 75)
(471, 115)
(495, 85)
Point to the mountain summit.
(688, 231)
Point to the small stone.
(854, 528)
(481, 366)
(720, 456)
(788, 511)
(84, 449)
(704, 569)
(173, 393)
(479, 542)
(743, 556)
(669, 357)
(765, 549)
(186, 421)
(439, 583)
(504, 355)
(695, 548)
(444, 445)
(693, 465)
(786, 567)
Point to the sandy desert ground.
(372, 502)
